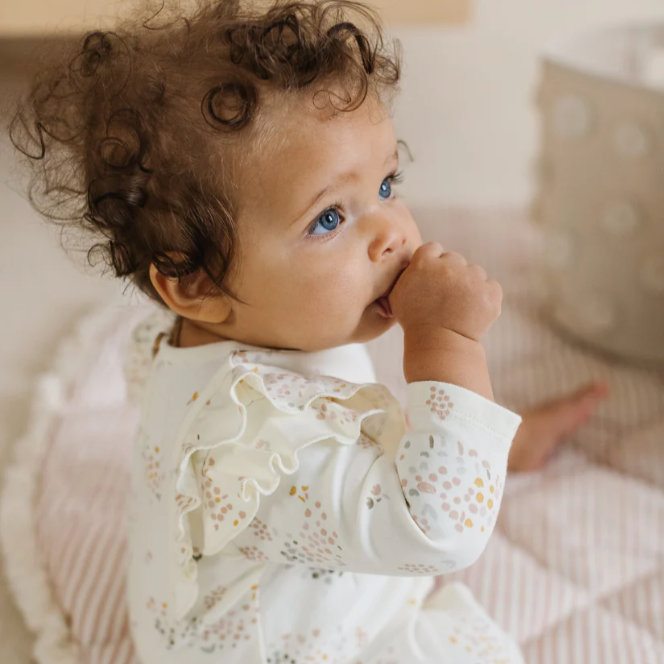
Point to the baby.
(238, 165)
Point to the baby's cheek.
(337, 311)
(341, 287)
(320, 296)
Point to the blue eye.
(327, 222)
(385, 190)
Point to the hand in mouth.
(383, 301)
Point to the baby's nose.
(388, 239)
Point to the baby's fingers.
(427, 251)
(496, 289)
(494, 296)
(478, 272)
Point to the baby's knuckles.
(440, 289)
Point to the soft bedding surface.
(575, 569)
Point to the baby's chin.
(370, 327)
(318, 333)
(373, 325)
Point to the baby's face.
(322, 233)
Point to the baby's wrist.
(440, 354)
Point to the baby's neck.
(192, 335)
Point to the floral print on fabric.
(237, 625)
(477, 637)
(317, 542)
(439, 403)
(325, 645)
(153, 463)
(228, 501)
(288, 390)
(376, 496)
(311, 487)
(448, 484)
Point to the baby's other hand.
(546, 427)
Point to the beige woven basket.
(601, 188)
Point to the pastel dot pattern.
(477, 636)
(317, 542)
(418, 568)
(450, 490)
(449, 487)
(237, 625)
(229, 502)
(439, 403)
(153, 470)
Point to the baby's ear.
(193, 296)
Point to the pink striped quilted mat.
(575, 569)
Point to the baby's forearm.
(445, 356)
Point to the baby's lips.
(385, 307)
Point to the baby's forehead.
(296, 122)
(299, 154)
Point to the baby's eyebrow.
(394, 156)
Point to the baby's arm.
(427, 505)
(452, 465)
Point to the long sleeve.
(424, 502)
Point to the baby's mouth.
(384, 303)
(384, 307)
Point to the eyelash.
(394, 178)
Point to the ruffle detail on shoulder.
(140, 351)
(242, 434)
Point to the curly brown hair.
(133, 134)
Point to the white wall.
(467, 109)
